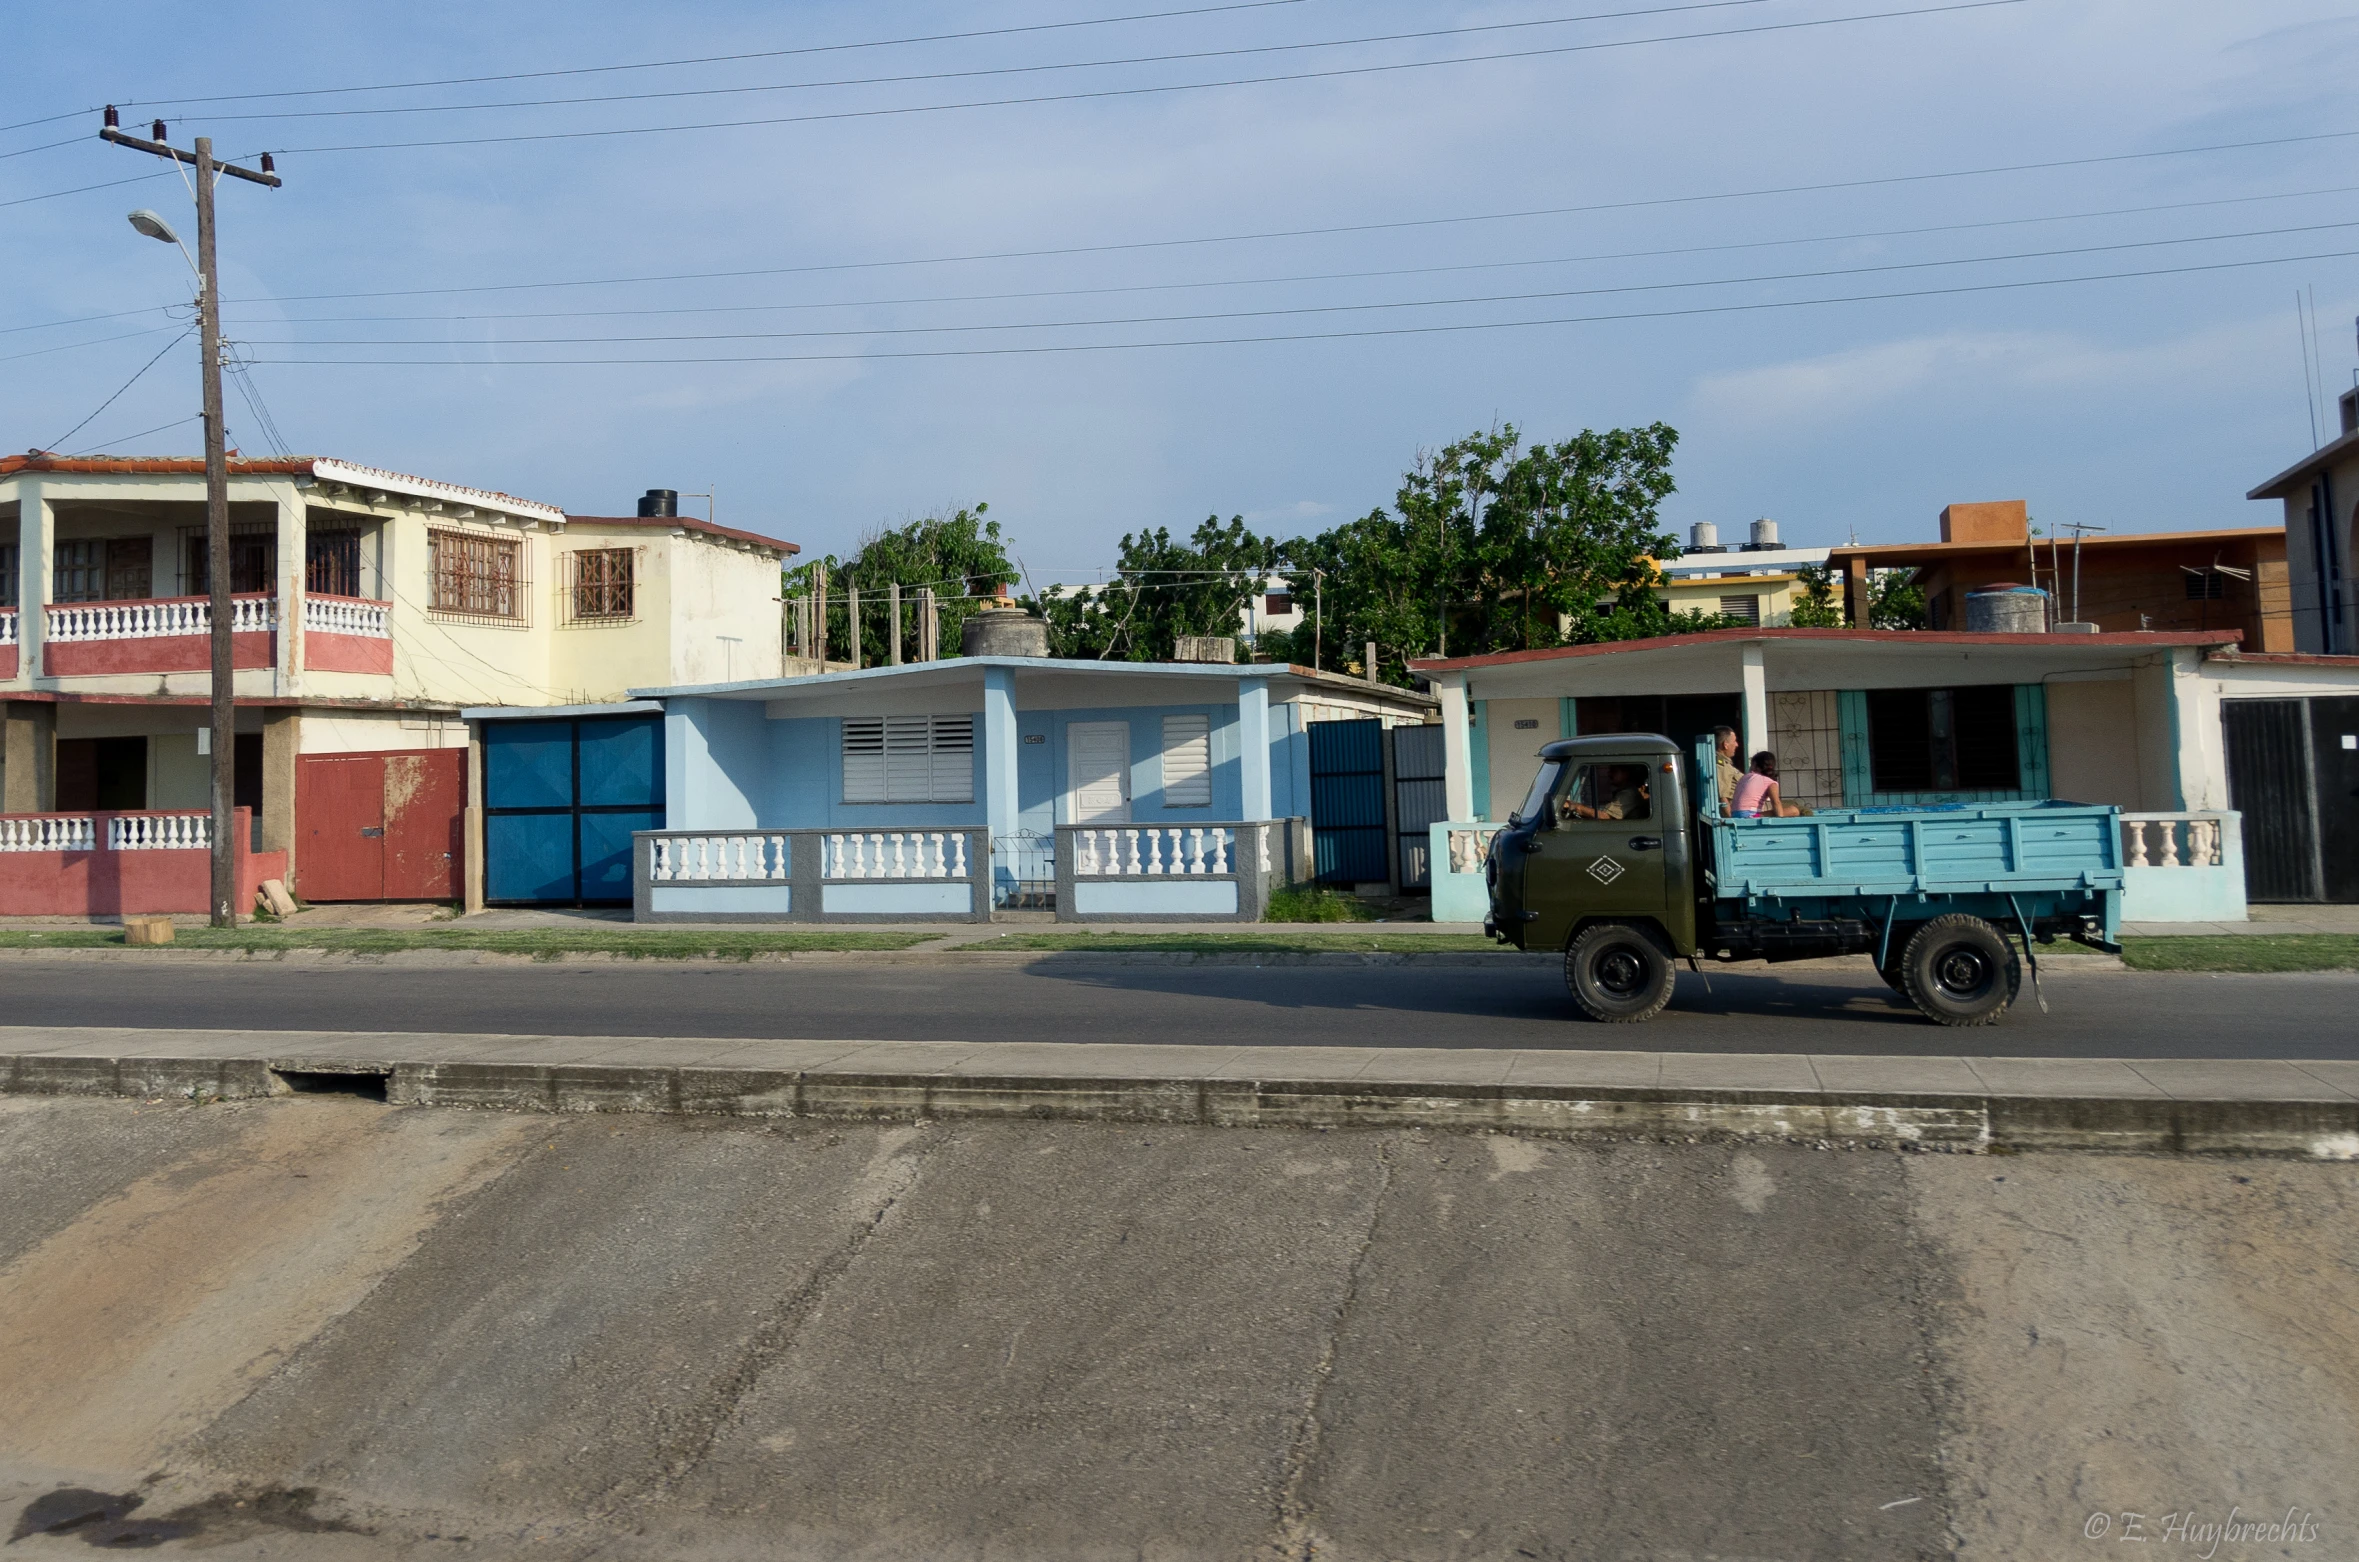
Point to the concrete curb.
(2308, 1125)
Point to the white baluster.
(2166, 848)
(958, 868)
(1261, 833)
(2133, 837)
(2204, 838)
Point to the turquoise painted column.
(1253, 746)
(999, 751)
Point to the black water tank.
(660, 501)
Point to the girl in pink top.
(1757, 794)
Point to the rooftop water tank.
(2004, 608)
(1003, 629)
(1703, 537)
(1764, 537)
(660, 501)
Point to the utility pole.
(224, 676)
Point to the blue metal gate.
(1348, 843)
(560, 800)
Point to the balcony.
(174, 634)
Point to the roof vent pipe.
(660, 501)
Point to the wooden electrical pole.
(224, 675)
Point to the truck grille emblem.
(1605, 870)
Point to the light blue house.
(944, 790)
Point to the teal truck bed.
(2038, 866)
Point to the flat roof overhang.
(1799, 659)
(1042, 683)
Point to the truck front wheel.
(1618, 974)
(1959, 970)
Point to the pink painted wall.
(111, 883)
(164, 654)
(328, 653)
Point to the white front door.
(1097, 763)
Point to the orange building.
(2117, 582)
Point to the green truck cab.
(1620, 858)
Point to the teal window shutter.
(1858, 779)
(1568, 722)
(2031, 739)
(1479, 742)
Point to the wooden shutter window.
(1187, 762)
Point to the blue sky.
(2139, 403)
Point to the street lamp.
(155, 227)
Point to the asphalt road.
(325, 1330)
(1821, 1009)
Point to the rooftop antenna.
(2077, 528)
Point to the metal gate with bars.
(1348, 832)
(1420, 800)
(2293, 773)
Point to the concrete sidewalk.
(2308, 1109)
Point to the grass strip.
(546, 943)
(1239, 943)
(2244, 952)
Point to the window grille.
(1187, 762)
(1745, 609)
(599, 585)
(253, 558)
(1277, 604)
(7, 574)
(331, 562)
(909, 759)
(481, 579)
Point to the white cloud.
(1964, 368)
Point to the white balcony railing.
(736, 858)
(157, 618)
(7, 626)
(1157, 850)
(48, 833)
(2164, 840)
(360, 616)
(894, 854)
(124, 832)
(159, 832)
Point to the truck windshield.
(1536, 803)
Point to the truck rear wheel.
(1959, 970)
(1618, 974)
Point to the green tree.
(1815, 607)
(1162, 588)
(960, 555)
(1895, 601)
(1490, 546)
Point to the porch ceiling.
(1714, 664)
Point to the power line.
(67, 347)
(1353, 335)
(1333, 73)
(124, 439)
(707, 59)
(1322, 276)
(978, 72)
(126, 385)
(1330, 231)
(1326, 309)
(84, 189)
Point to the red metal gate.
(379, 826)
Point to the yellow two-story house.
(369, 608)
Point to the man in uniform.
(1724, 741)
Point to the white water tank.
(1703, 537)
(1765, 535)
